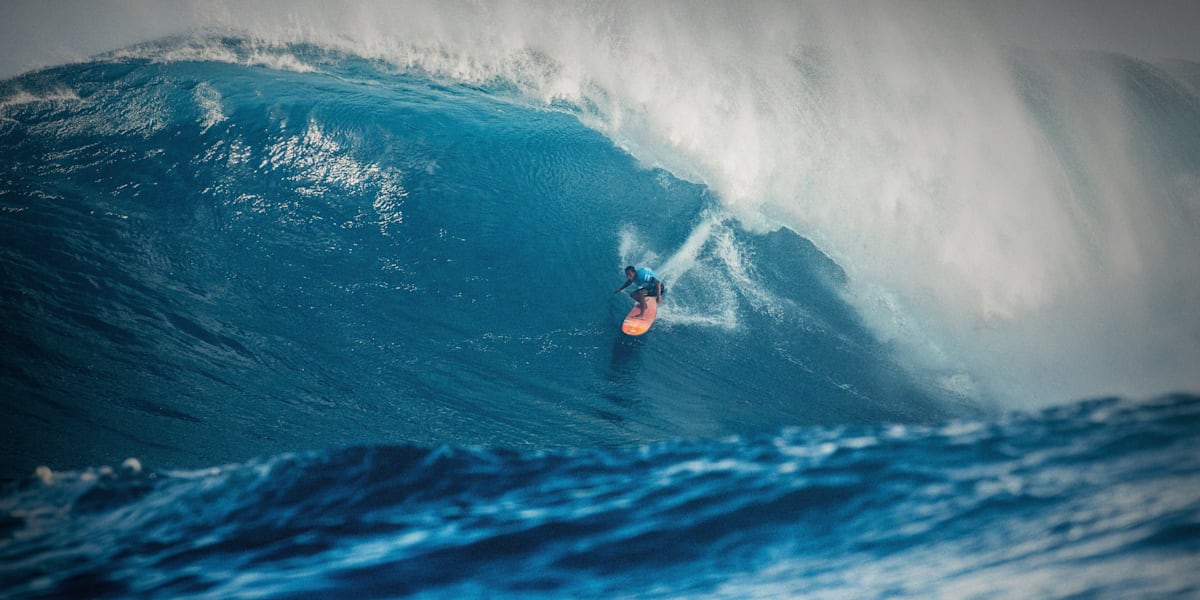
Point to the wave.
(1024, 219)
(373, 257)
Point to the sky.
(1151, 29)
(42, 33)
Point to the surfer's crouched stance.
(648, 285)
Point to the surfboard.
(637, 325)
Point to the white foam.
(205, 48)
(321, 163)
(208, 99)
(131, 465)
(44, 474)
(22, 97)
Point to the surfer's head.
(630, 272)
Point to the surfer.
(648, 284)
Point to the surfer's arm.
(659, 295)
(623, 286)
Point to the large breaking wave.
(374, 247)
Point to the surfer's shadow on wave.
(625, 360)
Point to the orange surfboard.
(637, 325)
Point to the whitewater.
(314, 300)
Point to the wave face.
(1095, 499)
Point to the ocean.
(328, 311)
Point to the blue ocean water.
(353, 324)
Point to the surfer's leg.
(640, 297)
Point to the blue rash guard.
(643, 277)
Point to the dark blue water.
(357, 328)
(1096, 500)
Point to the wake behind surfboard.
(636, 324)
